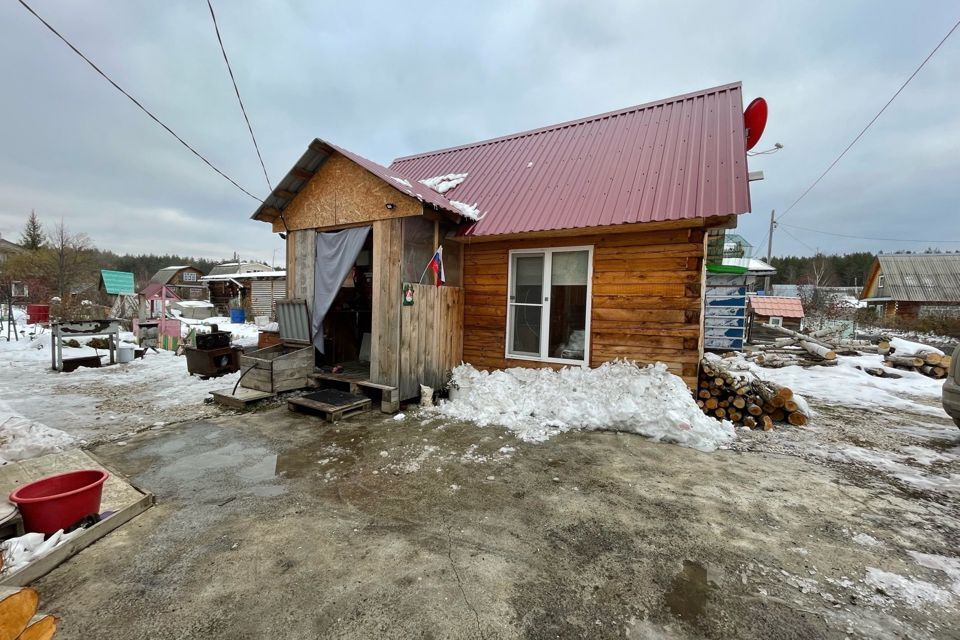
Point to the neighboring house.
(572, 244)
(780, 311)
(183, 280)
(8, 249)
(253, 286)
(913, 285)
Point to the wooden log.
(711, 403)
(749, 421)
(739, 402)
(41, 627)
(17, 606)
(778, 415)
(720, 412)
(802, 337)
(823, 333)
(818, 350)
(946, 361)
(797, 419)
(755, 410)
(929, 357)
(704, 393)
(905, 361)
(766, 422)
(784, 392)
(790, 406)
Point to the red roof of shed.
(674, 159)
(777, 306)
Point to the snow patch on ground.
(867, 540)
(442, 184)
(22, 438)
(617, 396)
(912, 591)
(949, 566)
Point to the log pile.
(19, 619)
(746, 400)
(819, 348)
(930, 363)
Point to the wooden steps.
(387, 396)
(331, 404)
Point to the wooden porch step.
(241, 399)
(331, 404)
(387, 396)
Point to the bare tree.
(67, 260)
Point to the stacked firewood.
(19, 618)
(809, 349)
(930, 363)
(745, 400)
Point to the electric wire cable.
(136, 102)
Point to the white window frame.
(545, 305)
(778, 323)
(188, 276)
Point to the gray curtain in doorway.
(337, 252)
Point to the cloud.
(389, 79)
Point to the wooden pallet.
(242, 399)
(338, 405)
(387, 396)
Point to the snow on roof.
(442, 184)
(776, 306)
(752, 265)
(468, 211)
(249, 275)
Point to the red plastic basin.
(56, 502)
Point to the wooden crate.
(279, 368)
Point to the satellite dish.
(754, 121)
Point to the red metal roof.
(777, 306)
(679, 158)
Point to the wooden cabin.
(913, 285)
(572, 244)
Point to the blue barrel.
(237, 316)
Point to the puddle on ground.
(687, 597)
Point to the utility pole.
(773, 224)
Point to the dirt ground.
(273, 524)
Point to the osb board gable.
(343, 193)
(647, 298)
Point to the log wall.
(647, 298)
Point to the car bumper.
(951, 398)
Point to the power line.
(237, 91)
(801, 241)
(135, 101)
(843, 235)
(869, 124)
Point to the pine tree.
(32, 236)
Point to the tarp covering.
(118, 282)
(337, 252)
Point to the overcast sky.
(392, 78)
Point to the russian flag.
(436, 265)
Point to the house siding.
(646, 305)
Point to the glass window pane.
(528, 278)
(526, 330)
(452, 260)
(417, 249)
(568, 304)
(569, 267)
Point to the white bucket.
(125, 354)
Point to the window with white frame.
(548, 304)
(776, 321)
(189, 276)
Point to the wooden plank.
(241, 399)
(387, 296)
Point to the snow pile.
(618, 396)
(21, 438)
(468, 211)
(402, 181)
(442, 184)
(903, 347)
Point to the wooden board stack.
(753, 403)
